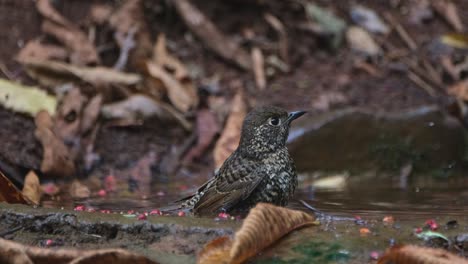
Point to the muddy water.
(369, 197)
(368, 153)
(376, 199)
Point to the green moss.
(314, 252)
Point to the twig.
(424, 73)
(258, 68)
(207, 31)
(126, 44)
(401, 31)
(421, 83)
(283, 37)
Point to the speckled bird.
(259, 170)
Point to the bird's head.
(266, 129)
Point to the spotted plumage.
(259, 170)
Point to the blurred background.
(132, 104)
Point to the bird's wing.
(234, 182)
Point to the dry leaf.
(68, 118)
(100, 13)
(207, 129)
(90, 114)
(181, 97)
(128, 17)
(56, 159)
(25, 99)
(411, 254)
(32, 188)
(229, 139)
(142, 106)
(96, 76)
(46, 9)
(362, 42)
(264, 225)
(82, 51)
(15, 253)
(258, 68)
(459, 41)
(170, 63)
(37, 50)
(448, 10)
(207, 31)
(79, 190)
(459, 90)
(166, 60)
(9, 193)
(283, 45)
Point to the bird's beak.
(295, 115)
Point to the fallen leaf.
(142, 106)
(56, 159)
(417, 254)
(32, 188)
(100, 13)
(82, 51)
(14, 253)
(283, 45)
(90, 114)
(229, 139)
(177, 93)
(264, 225)
(459, 90)
(449, 11)
(25, 99)
(207, 31)
(455, 40)
(207, 129)
(362, 42)
(9, 193)
(46, 9)
(258, 68)
(329, 22)
(37, 50)
(177, 69)
(129, 17)
(368, 19)
(420, 11)
(96, 76)
(337, 182)
(166, 60)
(79, 190)
(68, 119)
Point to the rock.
(357, 139)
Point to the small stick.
(283, 37)
(421, 83)
(401, 31)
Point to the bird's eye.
(274, 121)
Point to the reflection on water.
(421, 198)
(370, 197)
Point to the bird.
(259, 170)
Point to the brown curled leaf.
(264, 225)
